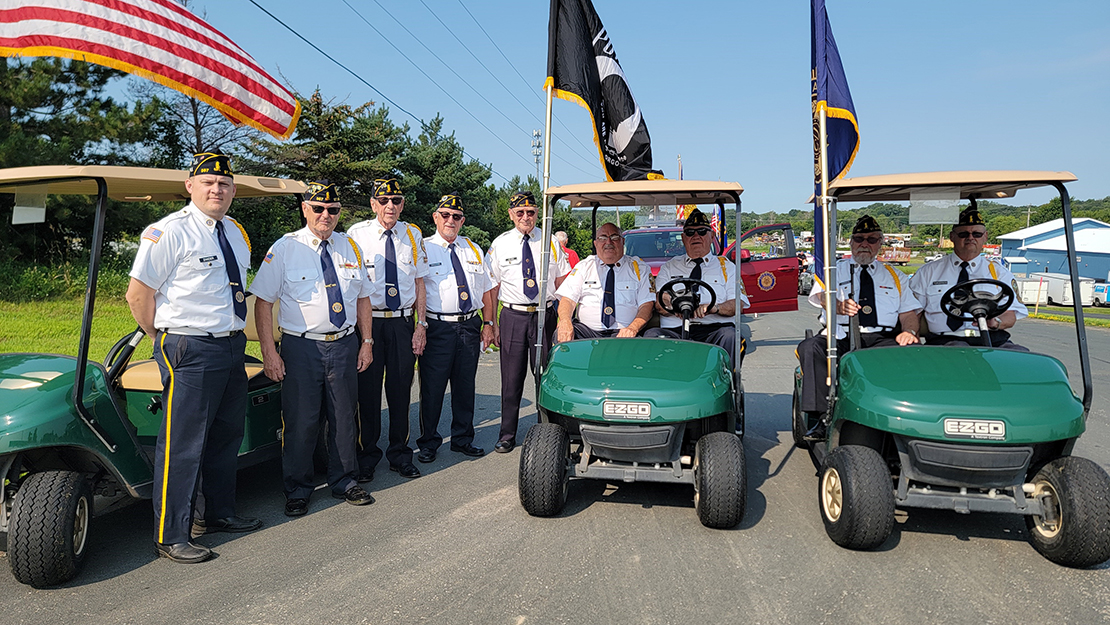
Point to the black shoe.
(469, 450)
(365, 476)
(504, 447)
(296, 507)
(408, 470)
(356, 496)
(183, 553)
(817, 433)
(233, 524)
(426, 456)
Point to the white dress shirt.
(716, 271)
(586, 285)
(892, 295)
(505, 265)
(412, 259)
(441, 284)
(931, 281)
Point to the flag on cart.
(159, 40)
(830, 94)
(582, 68)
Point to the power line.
(423, 124)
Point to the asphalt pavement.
(455, 546)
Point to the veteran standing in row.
(187, 294)
(396, 262)
(456, 295)
(317, 274)
(512, 262)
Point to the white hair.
(562, 236)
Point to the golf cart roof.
(130, 184)
(647, 192)
(981, 184)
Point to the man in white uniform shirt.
(457, 285)
(714, 325)
(187, 294)
(882, 300)
(611, 291)
(931, 281)
(395, 259)
(317, 274)
(513, 265)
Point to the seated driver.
(935, 278)
(708, 325)
(610, 289)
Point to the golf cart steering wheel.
(963, 302)
(685, 303)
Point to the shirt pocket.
(300, 282)
(206, 272)
(625, 294)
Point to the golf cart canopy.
(130, 184)
(647, 193)
(980, 184)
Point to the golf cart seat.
(143, 375)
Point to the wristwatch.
(488, 323)
(369, 340)
(422, 322)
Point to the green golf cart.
(637, 409)
(77, 436)
(969, 429)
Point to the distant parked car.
(805, 280)
(933, 257)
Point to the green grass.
(1087, 321)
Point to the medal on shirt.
(337, 307)
(239, 296)
(530, 282)
(393, 291)
(866, 310)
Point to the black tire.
(543, 469)
(856, 497)
(799, 422)
(49, 531)
(1078, 492)
(720, 480)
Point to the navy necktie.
(954, 324)
(531, 289)
(233, 277)
(608, 302)
(460, 279)
(331, 284)
(869, 317)
(696, 273)
(392, 294)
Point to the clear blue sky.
(938, 85)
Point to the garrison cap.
(321, 191)
(451, 200)
(386, 186)
(970, 217)
(866, 225)
(210, 163)
(696, 219)
(523, 198)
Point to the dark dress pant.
(722, 335)
(518, 355)
(815, 365)
(451, 355)
(393, 362)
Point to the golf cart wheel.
(49, 531)
(856, 497)
(1076, 494)
(799, 423)
(543, 469)
(720, 480)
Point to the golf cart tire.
(543, 469)
(1080, 538)
(856, 497)
(720, 480)
(49, 531)
(799, 424)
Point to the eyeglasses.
(699, 232)
(873, 239)
(978, 234)
(608, 237)
(450, 216)
(522, 213)
(396, 199)
(332, 210)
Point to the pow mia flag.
(582, 68)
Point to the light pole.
(537, 149)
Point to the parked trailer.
(1059, 288)
(895, 255)
(1032, 291)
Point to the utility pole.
(1028, 212)
(537, 149)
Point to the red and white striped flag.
(159, 40)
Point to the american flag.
(159, 40)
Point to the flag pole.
(829, 219)
(545, 255)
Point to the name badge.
(434, 264)
(939, 282)
(208, 259)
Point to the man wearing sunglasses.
(514, 267)
(929, 284)
(456, 284)
(878, 294)
(317, 275)
(714, 325)
(611, 291)
(396, 261)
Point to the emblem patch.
(152, 234)
(239, 296)
(626, 410)
(866, 310)
(269, 258)
(393, 291)
(337, 307)
(530, 282)
(980, 429)
(464, 296)
(766, 281)
(608, 310)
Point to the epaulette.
(241, 229)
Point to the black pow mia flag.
(582, 68)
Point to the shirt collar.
(619, 263)
(201, 218)
(311, 240)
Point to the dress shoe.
(365, 476)
(504, 447)
(296, 507)
(234, 524)
(469, 450)
(183, 553)
(408, 470)
(817, 433)
(426, 456)
(356, 496)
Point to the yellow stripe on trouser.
(166, 450)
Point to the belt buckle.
(330, 337)
(971, 332)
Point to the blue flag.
(830, 94)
